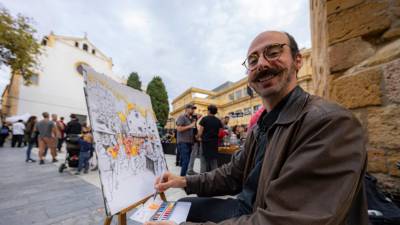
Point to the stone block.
(358, 90)
(370, 17)
(392, 160)
(384, 127)
(392, 33)
(377, 161)
(344, 55)
(335, 6)
(391, 74)
(385, 54)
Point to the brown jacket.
(312, 172)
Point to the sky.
(197, 43)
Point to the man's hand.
(169, 180)
(166, 222)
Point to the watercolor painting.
(127, 143)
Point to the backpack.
(381, 209)
(4, 130)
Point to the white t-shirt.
(18, 128)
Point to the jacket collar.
(293, 106)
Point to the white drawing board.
(127, 143)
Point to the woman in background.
(30, 137)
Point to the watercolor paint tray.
(164, 212)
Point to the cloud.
(187, 43)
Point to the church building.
(57, 87)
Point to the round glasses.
(271, 52)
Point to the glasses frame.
(264, 55)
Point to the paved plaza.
(40, 195)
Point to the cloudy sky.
(197, 43)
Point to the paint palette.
(164, 212)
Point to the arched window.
(85, 47)
(76, 44)
(93, 51)
(79, 67)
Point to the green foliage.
(159, 99)
(18, 47)
(134, 81)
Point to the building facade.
(232, 99)
(57, 87)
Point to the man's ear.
(298, 61)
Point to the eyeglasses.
(271, 52)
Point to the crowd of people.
(200, 136)
(50, 133)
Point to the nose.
(262, 64)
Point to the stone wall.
(356, 62)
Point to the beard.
(282, 78)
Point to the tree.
(159, 99)
(18, 46)
(134, 81)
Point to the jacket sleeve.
(320, 178)
(226, 180)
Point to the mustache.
(270, 72)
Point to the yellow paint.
(130, 107)
(113, 151)
(142, 111)
(122, 117)
(134, 150)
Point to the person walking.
(57, 127)
(31, 137)
(61, 126)
(18, 133)
(47, 137)
(4, 132)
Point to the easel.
(122, 215)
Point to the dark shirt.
(211, 126)
(85, 146)
(73, 127)
(249, 191)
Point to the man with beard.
(303, 162)
(185, 125)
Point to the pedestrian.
(185, 126)
(31, 136)
(18, 129)
(46, 137)
(303, 162)
(86, 150)
(61, 127)
(73, 126)
(4, 132)
(196, 149)
(57, 127)
(209, 127)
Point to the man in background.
(18, 131)
(47, 137)
(61, 125)
(185, 137)
(209, 127)
(54, 118)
